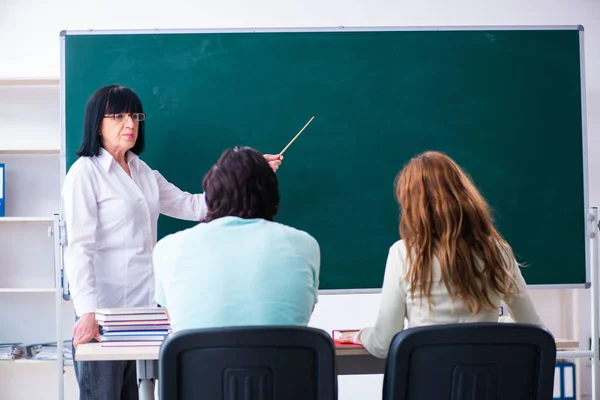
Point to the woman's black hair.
(111, 99)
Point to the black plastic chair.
(258, 363)
(477, 361)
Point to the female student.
(451, 265)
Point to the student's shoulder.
(296, 235)
(173, 240)
(397, 254)
(398, 248)
(508, 256)
(165, 244)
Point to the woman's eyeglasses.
(137, 117)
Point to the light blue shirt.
(236, 272)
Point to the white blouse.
(111, 225)
(397, 304)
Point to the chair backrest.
(471, 361)
(258, 363)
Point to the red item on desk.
(350, 345)
(344, 333)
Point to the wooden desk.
(350, 361)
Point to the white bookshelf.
(27, 290)
(18, 362)
(30, 81)
(30, 288)
(29, 118)
(32, 151)
(35, 379)
(25, 362)
(32, 186)
(26, 219)
(68, 363)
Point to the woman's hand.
(274, 160)
(85, 329)
(349, 338)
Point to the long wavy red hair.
(443, 215)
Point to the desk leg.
(147, 372)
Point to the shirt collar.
(106, 159)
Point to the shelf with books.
(30, 148)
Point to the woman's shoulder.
(81, 177)
(81, 163)
(397, 256)
(399, 245)
(398, 249)
(82, 167)
(507, 255)
(142, 164)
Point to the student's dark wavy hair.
(112, 99)
(241, 184)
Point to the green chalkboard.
(504, 103)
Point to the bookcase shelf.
(27, 290)
(67, 363)
(23, 151)
(30, 291)
(30, 81)
(26, 219)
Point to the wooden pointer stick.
(298, 134)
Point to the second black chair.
(477, 361)
(239, 363)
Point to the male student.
(238, 267)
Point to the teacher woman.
(111, 204)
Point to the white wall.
(29, 46)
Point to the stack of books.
(35, 351)
(48, 351)
(11, 351)
(138, 326)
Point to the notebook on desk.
(152, 343)
(130, 314)
(129, 310)
(340, 334)
(132, 326)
